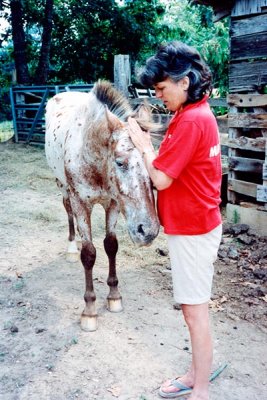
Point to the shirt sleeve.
(178, 148)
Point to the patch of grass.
(236, 217)
(6, 131)
(6, 125)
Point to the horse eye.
(122, 165)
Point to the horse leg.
(82, 213)
(114, 299)
(89, 315)
(72, 250)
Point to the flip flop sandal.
(184, 390)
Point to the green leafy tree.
(193, 25)
(22, 23)
(68, 41)
(19, 42)
(42, 70)
(90, 33)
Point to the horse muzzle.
(143, 234)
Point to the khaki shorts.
(192, 258)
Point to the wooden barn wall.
(247, 117)
(247, 76)
(248, 63)
(248, 7)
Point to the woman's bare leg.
(197, 320)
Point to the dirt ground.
(45, 355)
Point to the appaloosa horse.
(93, 158)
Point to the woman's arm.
(142, 142)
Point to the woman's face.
(173, 94)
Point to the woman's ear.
(185, 83)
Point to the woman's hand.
(140, 139)
(142, 142)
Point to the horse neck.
(96, 132)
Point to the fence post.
(122, 73)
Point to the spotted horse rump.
(94, 161)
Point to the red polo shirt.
(190, 154)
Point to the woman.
(187, 174)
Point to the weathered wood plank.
(242, 164)
(245, 143)
(242, 187)
(238, 87)
(222, 124)
(261, 193)
(245, 120)
(247, 76)
(122, 73)
(250, 25)
(233, 133)
(217, 102)
(247, 7)
(247, 100)
(249, 46)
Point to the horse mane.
(113, 99)
(119, 105)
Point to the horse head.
(131, 184)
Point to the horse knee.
(111, 244)
(88, 255)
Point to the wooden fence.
(248, 37)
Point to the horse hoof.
(73, 257)
(114, 305)
(89, 324)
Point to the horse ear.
(143, 113)
(113, 122)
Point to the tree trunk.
(42, 70)
(19, 42)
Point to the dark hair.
(176, 60)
